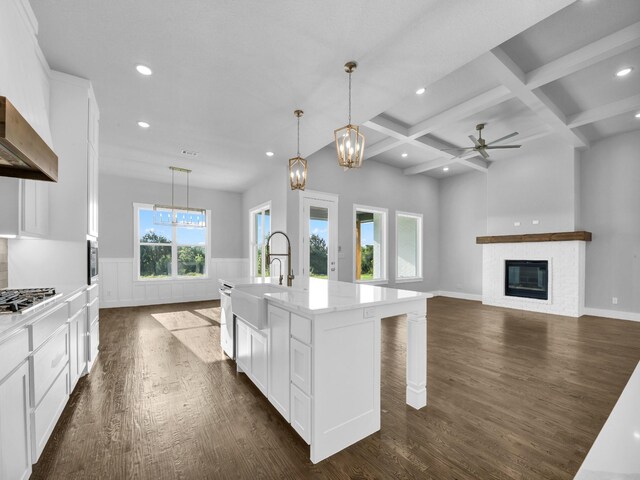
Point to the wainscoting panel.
(119, 289)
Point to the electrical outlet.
(369, 312)
(535, 222)
(614, 300)
(516, 224)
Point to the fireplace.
(527, 278)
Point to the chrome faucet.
(279, 271)
(290, 276)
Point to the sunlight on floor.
(194, 332)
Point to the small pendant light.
(298, 165)
(349, 140)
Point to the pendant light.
(180, 216)
(298, 165)
(349, 139)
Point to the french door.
(319, 229)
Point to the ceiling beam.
(389, 127)
(471, 159)
(604, 111)
(606, 47)
(465, 109)
(510, 75)
(400, 135)
(382, 146)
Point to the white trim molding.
(615, 314)
(461, 295)
(118, 289)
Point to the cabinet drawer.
(92, 293)
(301, 413)
(76, 303)
(301, 365)
(301, 328)
(13, 352)
(43, 328)
(46, 415)
(48, 361)
(93, 311)
(94, 341)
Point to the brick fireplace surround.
(565, 252)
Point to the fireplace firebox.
(527, 278)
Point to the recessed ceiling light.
(143, 124)
(405, 155)
(270, 154)
(624, 72)
(144, 70)
(445, 169)
(638, 115)
(420, 91)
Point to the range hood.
(23, 153)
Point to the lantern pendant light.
(349, 139)
(298, 165)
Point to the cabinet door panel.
(301, 413)
(259, 360)
(243, 347)
(301, 365)
(278, 346)
(15, 435)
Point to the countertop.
(616, 452)
(9, 323)
(314, 296)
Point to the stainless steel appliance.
(227, 322)
(24, 299)
(92, 262)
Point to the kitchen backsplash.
(4, 263)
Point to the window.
(165, 252)
(408, 247)
(260, 228)
(370, 252)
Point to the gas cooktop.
(24, 299)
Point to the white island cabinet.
(322, 358)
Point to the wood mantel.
(537, 237)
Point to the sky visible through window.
(186, 236)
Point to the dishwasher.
(227, 322)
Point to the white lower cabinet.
(15, 433)
(46, 414)
(278, 351)
(77, 347)
(301, 413)
(301, 365)
(251, 354)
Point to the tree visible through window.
(370, 244)
(260, 231)
(169, 251)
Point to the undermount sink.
(248, 303)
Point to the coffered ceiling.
(558, 77)
(228, 75)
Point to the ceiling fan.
(481, 146)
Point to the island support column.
(417, 358)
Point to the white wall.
(463, 217)
(537, 183)
(117, 269)
(376, 185)
(272, 189)
(610, 209)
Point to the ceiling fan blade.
(504, 146)
(475, 141)
(504, 138)
(483, 152)
(459, 149)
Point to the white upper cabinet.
(93, 129)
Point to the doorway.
(319, 242)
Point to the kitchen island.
(316, 356)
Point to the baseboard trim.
(618, 315)
(461, 295)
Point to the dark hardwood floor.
(510, 395)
